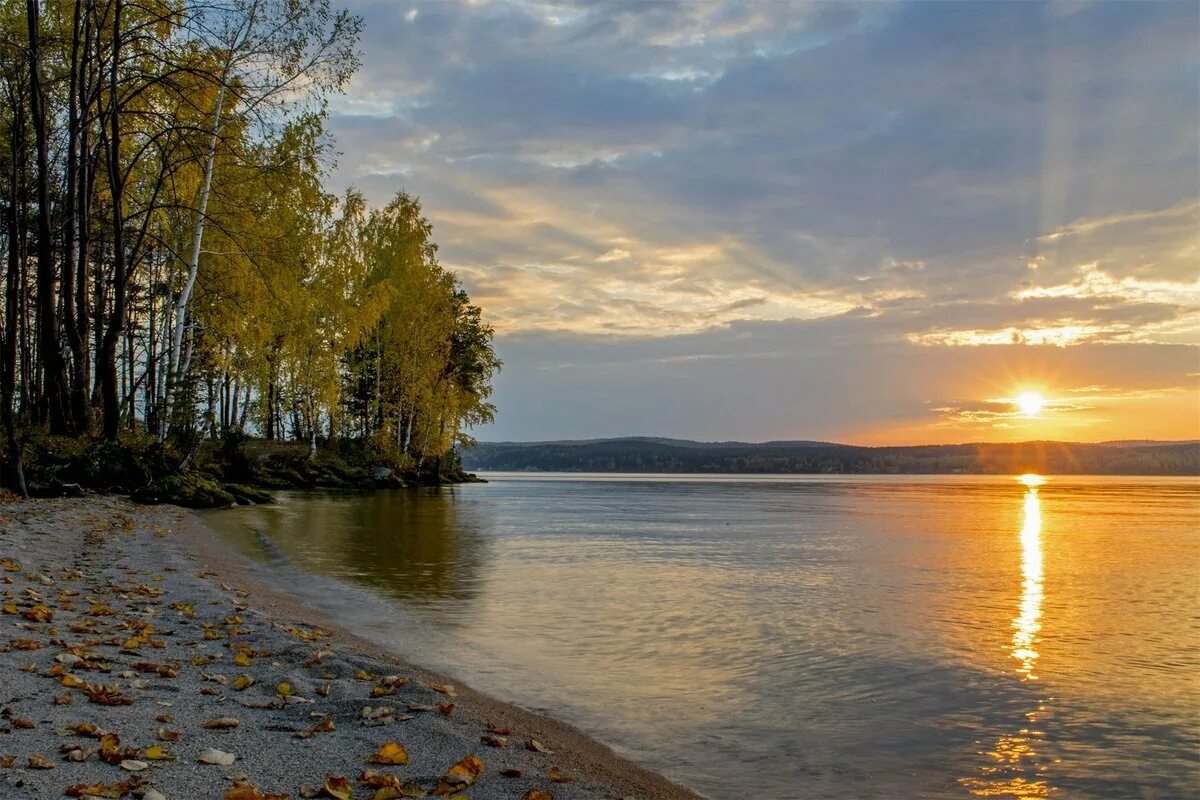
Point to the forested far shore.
(681, 456)
(174, 271)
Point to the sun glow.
(1030, 403)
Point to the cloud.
(844, 378)
(913, 175)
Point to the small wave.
(273, 551)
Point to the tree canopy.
(174, 267)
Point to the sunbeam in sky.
(835, 218)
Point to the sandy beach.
(139, 660)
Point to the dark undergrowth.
(212, 473)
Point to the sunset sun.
(1030, 403)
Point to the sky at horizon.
(876, 223)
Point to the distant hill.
(658, 455)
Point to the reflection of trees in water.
(413, 544)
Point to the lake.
(793, 636)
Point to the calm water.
(794, 637)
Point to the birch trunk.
(173, 366)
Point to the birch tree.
(276, 54)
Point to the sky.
(875, 223)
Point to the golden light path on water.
(1011, 760)
(1028, 623)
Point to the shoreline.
(102, 567)
(586, 754)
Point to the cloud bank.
(797, 196)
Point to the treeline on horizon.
(659, 456)
(173, 269)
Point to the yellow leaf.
(459, 776)
(38, 613)
(38, 761)
(337, 787)
(323, 726)
(158, 753)
(469, 767)
(389, 753)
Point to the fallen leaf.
(462, 774)
(374, 779)
(72, 682)
(161, 670)
(86, 729)
(98, 790)
(106, 695)
(38, 761)
(246, 791)
(325, 725)
(558, 777)
(38, 613)
(494, 741)
(78, 754)
(401, 793)
(537, 747)
(133, 765)
(537, 794)
(337, 787)
(110, 748)
(211, 755)
(511, 772)
(389, 753)
(221, 723)
(241, 682)
(156, 752)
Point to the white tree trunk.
(185, 294)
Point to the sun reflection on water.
(1028, 622)
(1007, 772)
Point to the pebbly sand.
(98, 592)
